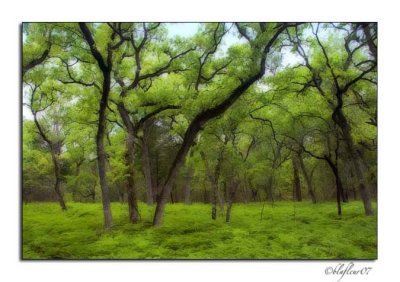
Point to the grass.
(287, 231)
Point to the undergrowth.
(285, 231)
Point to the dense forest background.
(233, 113)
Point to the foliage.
(287, 231)
(282, 105)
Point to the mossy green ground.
(287, 231)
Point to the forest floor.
(286, 231)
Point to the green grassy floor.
(287, 231)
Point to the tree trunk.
(205, 197)
(296, 181)
(339, 185)
(244, 194)
(372, 47)
(173, 172)
(341, 121)
(230, 193)
(213, 178)
(78, 167)
(101, 153)
(221, 197)
(162, 201)
(105, 193)
(254, 195)
(130, 160)
(57, 184)
(307, 178)
(269, 187)
(351, 182)
(214, 202)
(105, 68)
(56, 162)
(339, 207)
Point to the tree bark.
(101, 157)
(371, 44)
(341, 121)
(205, 196)
(307, 178)
(105, 68)
(270, 185)
(57, 184)
(130, 161)
(230, 198)
(245, 194)
(271, 177)
(55, 160)
(37, 61)
(339, 185)
(296, 181)
(213, 178)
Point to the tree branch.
(37, 61)
(92, 45)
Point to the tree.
(126, 112)
(260, 48)
(42, 97)
(296, 180)
(140, 39)
(37, 169)
(105, 67)
(40, 42)
(354, 68)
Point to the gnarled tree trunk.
(342, 122)
(54, 150)
(57, 184)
